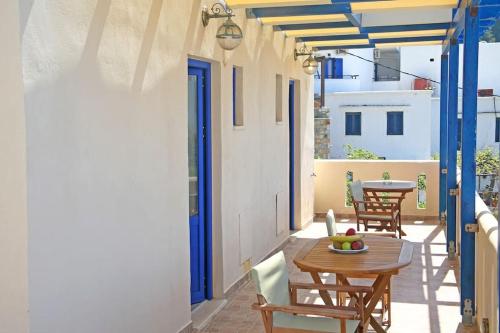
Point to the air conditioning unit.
(376, 53)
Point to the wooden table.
(397, 190)
(385, 257)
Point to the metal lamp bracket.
(217, 10)
(303, 51)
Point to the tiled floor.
(425, 294)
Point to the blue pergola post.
(468, 195)
(451, 202)
(443, 138)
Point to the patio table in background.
(377, 189)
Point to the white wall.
(415, 60)
(488, 109)
(13, 219)
(106, 100)
(413, 145)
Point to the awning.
(328, 24)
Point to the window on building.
(459, 134)
(353, 123)
(237, 96)
(395, 123)
(279, 98)
(387, 64)
(497, 131)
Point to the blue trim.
(207, 174)
(452, 145)
(291, 125)
(234, 96)
(345, 47)
(468, 194)
(323, 25)
(341, 8)
(372, 41)
(332, 38)
(409, 27)
(443, 135)
(407, 39)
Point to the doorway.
(199, 162)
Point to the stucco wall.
(415, 142)
(106, 105)
(488, 109)
(330, 183)
(13, 219)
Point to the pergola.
(354, 24)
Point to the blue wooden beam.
(337, 8)
(355, 19)
(443, 138)
(457, 25)
(451, 202)
(331, 38)
(373, 41)
(468, 194)
(406, 27)
(344, 47)
(304, 26)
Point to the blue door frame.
(291, 124)
(200, 223)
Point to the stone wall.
(322, 133)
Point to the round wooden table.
(384, 258)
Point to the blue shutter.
(334, 68)
(395, 123)
(353, 123)
(497, 130)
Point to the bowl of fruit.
(349, 243)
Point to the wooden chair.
(342, 298)
(281, 312)
(386, 213)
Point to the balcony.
(426, 295)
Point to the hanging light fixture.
(310, 65)
(229, 34)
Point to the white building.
(419, 114)
(373, 110)
(424, 61)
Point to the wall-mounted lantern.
(310, 65)
(229, 34)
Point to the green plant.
(359, 153)
(348, 196)
(435, 157)
(487, 162)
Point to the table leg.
(371, 299)
(325, 296)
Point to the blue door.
(198, 159)
(291, 124)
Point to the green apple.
(346, 246)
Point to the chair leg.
(400, 228)
(357, 224)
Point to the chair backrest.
(357, 193)
(271, 279)
(331, 225)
